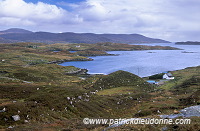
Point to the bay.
(143, 63)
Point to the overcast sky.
(173, 20)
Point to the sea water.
(143, 63)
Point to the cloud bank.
(175, 20)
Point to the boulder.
(16, 117)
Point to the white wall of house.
(165, 76)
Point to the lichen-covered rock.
(186, 112)
(191, 111)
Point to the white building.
(168, 76)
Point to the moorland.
(47, 96)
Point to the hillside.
(21, 35)
(119, 79)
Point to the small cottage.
(168, 76)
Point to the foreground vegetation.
(47, 97)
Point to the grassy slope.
(174, 95)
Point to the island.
(188, 43)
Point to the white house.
(78, 46)
(168, 76)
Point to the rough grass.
(121, 78)
(117, 91)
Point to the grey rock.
(191, 111)
(16, 117)
(186, 112)
(3, 110)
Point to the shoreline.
(85, 71)
(69, 60)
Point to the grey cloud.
(167, 19)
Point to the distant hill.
(15, 30)
(188, 43)
(21, 35)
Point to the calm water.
(143, 63)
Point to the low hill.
(15, 30)
(121, 78)
(21, 35)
